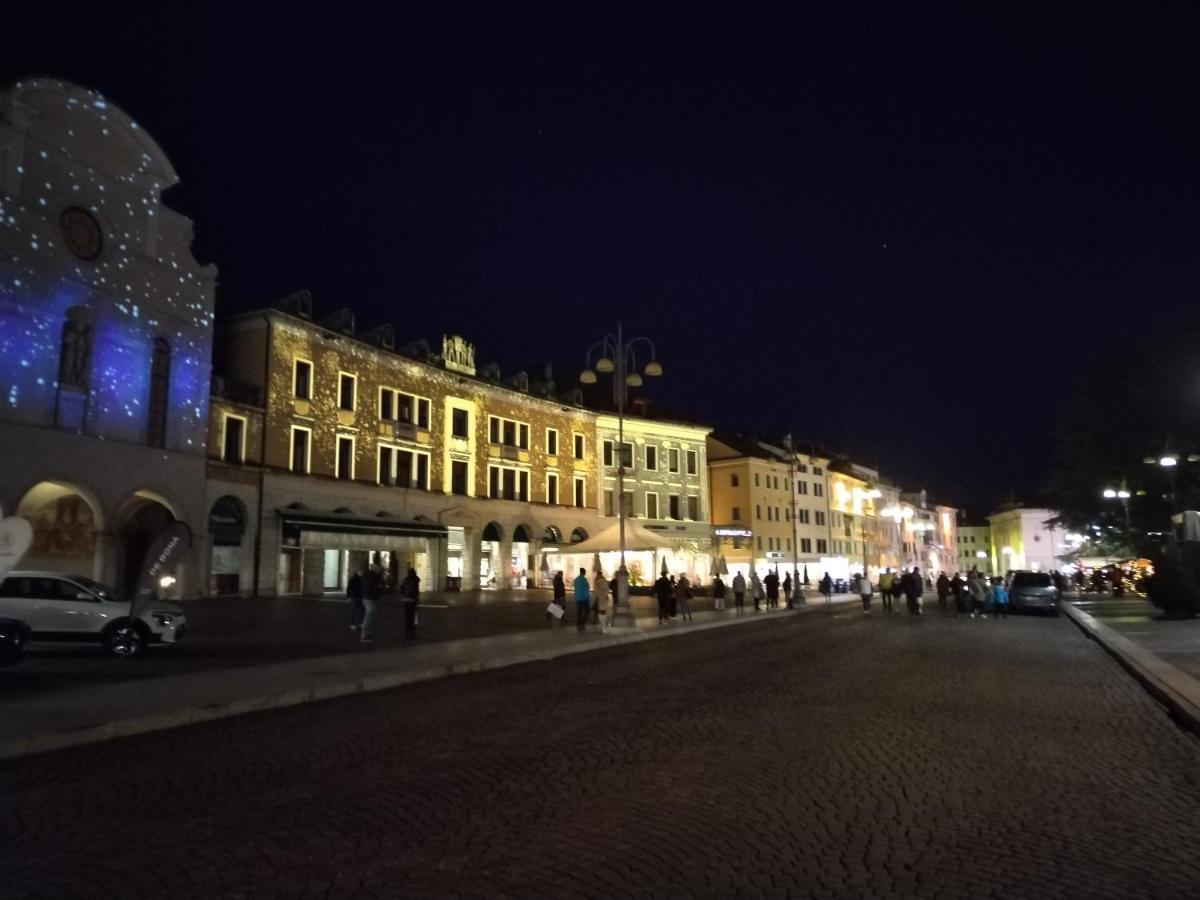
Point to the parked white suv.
(74, 608)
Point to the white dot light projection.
(85, 238)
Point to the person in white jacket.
(756, 588)
(600, 600)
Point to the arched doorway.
(551, 539)
(142, 517)
(491, 570)
(522, 562)
(226, 528)
(65, 520)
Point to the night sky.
(902, 235)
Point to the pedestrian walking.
(410, 592)
(914, 587)
(897, 591)
(683, 597)
(372, 582)
(674, 601)
(979, 594)
(583, 600)
(958, 587)
(827, 588)
(863, 586)
(662, 593)
(600, 597)
(718, 592)
(771, 583)
(756, 590)
(354, 593)
(739, 592)
(885, 589)
(943, 590)
(999, 599)
(560, 595)
(787, 590)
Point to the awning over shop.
(334, 531)
(637, 537)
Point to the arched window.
(160, 382)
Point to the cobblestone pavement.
(836, 755)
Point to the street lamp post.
(616, 355)
(1122, 494)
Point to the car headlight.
(163, 618)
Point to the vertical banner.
(162, 556)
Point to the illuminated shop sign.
(728, 531)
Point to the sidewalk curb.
(43, 742)
(1168, 684)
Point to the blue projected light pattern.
(75, 149)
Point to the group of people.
(364, 589)
(591, 599)
(973, 595)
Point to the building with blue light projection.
(105, 338)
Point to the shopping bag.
(555, 610)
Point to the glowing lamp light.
(653, 369)
(604, 364)
(587, 376)
(633, 379)
(166, 581)
(1007, 551)
(1124, 495)
(981, 554)
(1168, 461)
(1109, 493)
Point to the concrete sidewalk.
(1163, 654)
(82, 715)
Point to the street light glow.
(1109, 493)
(1124, 495)
(587, 376)
(604, 364)
(1168, 461)
(653, 369)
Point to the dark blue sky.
(900, 233)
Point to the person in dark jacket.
(787, 590)
(664, 593)
(372, 585)
(771, 583)
(943, 590)
(718, 592)
(827, 588)
(560, 595)
(354, 593)
(410, 591)
(914, 589)
(959, 588)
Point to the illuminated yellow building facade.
(357, 453)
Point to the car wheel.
(126, 639)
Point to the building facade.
(1025, 539)
(975, 549)
(105, 338)
(356, 453)
(752, 483)
(665, 489)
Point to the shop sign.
(732, 532)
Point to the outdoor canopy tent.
(637, 537)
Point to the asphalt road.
(835, 755)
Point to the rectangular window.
(757, 511)
(822, 546)
(693, 462)
(405, 408)
(756, 484)
(387, 465)
(627, 504)
(493, 482)
(301, 441)
(759, 541)
(733, 480)
(345, 458)
(523, 437)
(806, 545)
(347, 391)
(458, 477)
(802, 515)
(802, 487)
(460, 423)
(820, 518)
(608, 503)
(627, 455)
(672, 460)
(651, 506)
(552, 442)
(579, 446)
(651, 458)
(233, 444)
(387, 404)
(580, 483)
(552, 488)
(789, 545)
(411, 469)
(302, 381)
(493, 430)
(508, 481)
(693, 508)
(606, 450)
(508, 432)
(818, 489)
(816, 470)
(673, 506)
(737, 514)
(523, 487)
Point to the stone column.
(504, 578)
(106, 561)
(470, 559)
